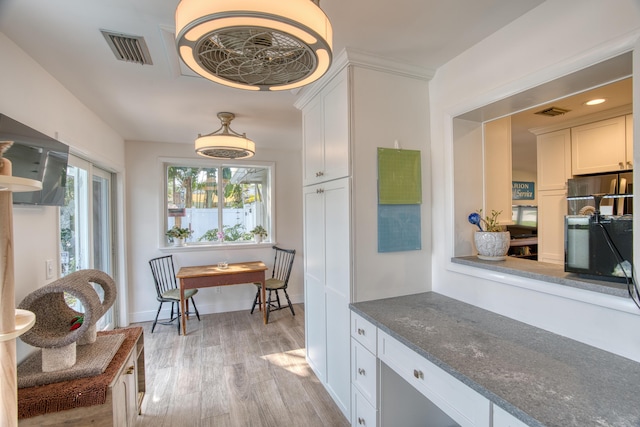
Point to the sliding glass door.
(86, 234)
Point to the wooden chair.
(167, 289)
(282, 265)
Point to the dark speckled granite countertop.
(539, 377)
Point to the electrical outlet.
(49, 268)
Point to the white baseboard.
(211, 308)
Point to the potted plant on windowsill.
(492, 242)
(259, 233)
(178, 235)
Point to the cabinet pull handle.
(629, 165)
(418, 374)
(130, 370)
(361, 371)
(361, 421)
(621, 165)
(319, 191)
(360, 331)
(319, 174)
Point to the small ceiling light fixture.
(255, 44)
(225, 143)
(595, 101)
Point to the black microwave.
(599, 247)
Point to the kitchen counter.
(545, 272)
(539, 377)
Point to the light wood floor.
(233, 370)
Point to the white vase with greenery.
(178, 235)
(492, 242)
(259, 233)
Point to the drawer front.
(364, 371)
(502, 418)
(364, 331)
(362, 413)
(464, 405)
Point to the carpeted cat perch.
(59, 328)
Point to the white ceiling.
(159, 103)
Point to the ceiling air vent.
(128, 48)
(552, 112)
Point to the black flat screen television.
(35, 155)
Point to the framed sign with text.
(523, 190)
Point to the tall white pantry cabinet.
(364, 103)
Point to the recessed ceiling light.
(595, 101)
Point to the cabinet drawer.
(362, 413)
(464, 405)
(364, 371)
(364, 331)
(502, 418)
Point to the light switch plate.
(49, 269)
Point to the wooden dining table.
(204, 276)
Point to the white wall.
(145, 223)
(379, 124)
(33, 97)
(557, 38)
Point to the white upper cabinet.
(600, 147)
(554, 160)
(326, 133)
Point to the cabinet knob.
(621, 165)
(418, 374)
(361, 371)
(361, 421)
(360, 331)
(629, 165)
(130, 370)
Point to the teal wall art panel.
(399, 228)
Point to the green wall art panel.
(399, 177)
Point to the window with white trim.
(217, 204)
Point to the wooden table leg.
(182, 309)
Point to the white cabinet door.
(326, 133)
(552, 207)
(337, 288)
(314, 278)
(336, 127)
(554, 160)
(554, 169)
(599, 147)
(327, 285)
(313, 146)
(125, 395)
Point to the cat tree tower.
(13, 323)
